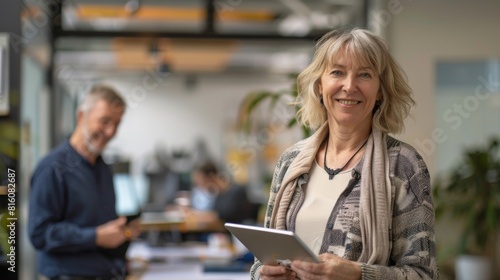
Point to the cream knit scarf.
(376, 194)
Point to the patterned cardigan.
(413, 253)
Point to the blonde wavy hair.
(366, 49)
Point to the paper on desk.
(202, 253)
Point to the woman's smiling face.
(349, 91)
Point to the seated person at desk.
(213, 192)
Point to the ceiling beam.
(166, 14)
(60, 33)
(210, 17)
(209, 31)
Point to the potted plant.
(248, 114)
(471, 195)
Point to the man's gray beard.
(88, 143)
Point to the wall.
(423, 32)
(426, 31)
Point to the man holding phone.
(72, 218)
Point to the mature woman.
(357, 197)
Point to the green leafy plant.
(471, 194)
(249, 113)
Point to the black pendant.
(332, 172)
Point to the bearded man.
(73, 223)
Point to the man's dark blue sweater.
(69, 199)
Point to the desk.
(182, 262)
(182, 221)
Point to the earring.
(321, 101)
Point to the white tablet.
(272, 246)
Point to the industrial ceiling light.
(132, 6)
(294, 25)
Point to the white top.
(320, 198)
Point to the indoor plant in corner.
(471, 194)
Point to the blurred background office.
(186, 68)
